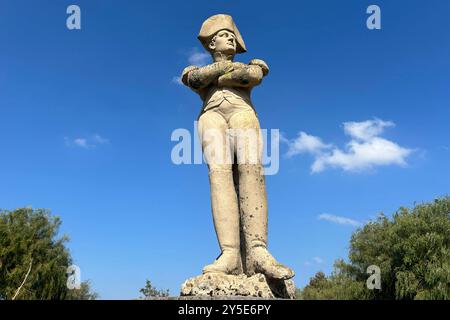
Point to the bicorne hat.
(218, 22)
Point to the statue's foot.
(266, 264)
(229, 262)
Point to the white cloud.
(365, 150)
(315, 261)
(177, 80)
(198, 58)
(86, 143)
(99, 139)
(363, 155)
(339, 219)
(194, 57)
(81, 143)
(305, 143)
(318, 260)
(366, 130)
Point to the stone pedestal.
(221, 285)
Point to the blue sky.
(87, 115)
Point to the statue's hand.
(260, 63)
(248, 76)
(224, 67)
(239, 65)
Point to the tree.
(412, 251)
(339, 286)
(33, 260)
(149, 291)
(84, 293)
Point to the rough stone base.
(221, 285)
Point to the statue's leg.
(212, 129)
(253, 198)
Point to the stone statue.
(238, 193)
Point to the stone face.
(214, 24)
(220, 285)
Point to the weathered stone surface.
(219, 285)
(232, 144)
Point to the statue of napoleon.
(238, 192)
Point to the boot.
(226, 222)
(253, 206)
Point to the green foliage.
(339, 286)
(412, 251)
(149, 291)
(84, 293)
(28, 241)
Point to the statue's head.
(219, 34)
(224, 42)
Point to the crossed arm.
(226, 74)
